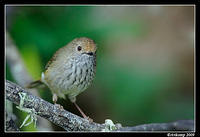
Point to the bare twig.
(71, 122)
(20, 73)
(16, 64)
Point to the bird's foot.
(89, 119)
(59, 106)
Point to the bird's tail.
(35, 84)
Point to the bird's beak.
(89, 53)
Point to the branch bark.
(180, 125)
(72, 122)
(60, 117)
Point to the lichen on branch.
(72, 122)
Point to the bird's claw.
(89, 119)
(59, 106)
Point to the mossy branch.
(60, 117)
(72, 122)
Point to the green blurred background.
(145, 58)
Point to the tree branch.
(16, 64)
(72, 122)
(180, 125)
(20, 73)
(60, 117)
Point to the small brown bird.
(70, 71)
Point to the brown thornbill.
(70, 71)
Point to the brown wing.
(60, 51)
(52, 59)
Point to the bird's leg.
(84, 116)
(55, 98)
(72, 98)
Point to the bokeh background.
(145, 58)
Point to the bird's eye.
(79, 48)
